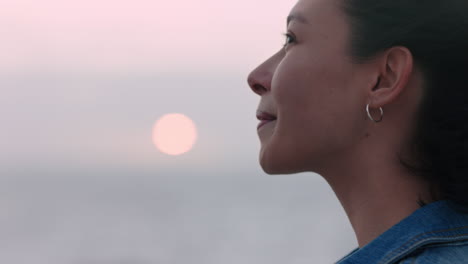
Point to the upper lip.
(262, 115)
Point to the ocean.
(164, 217)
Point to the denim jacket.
(433, 234)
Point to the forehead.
(326, 29)
(324, 18)
(316, 11)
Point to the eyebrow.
(298, 17)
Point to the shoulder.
(452, 252)
(433, 234)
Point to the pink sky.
(138, 35)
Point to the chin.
(274, 163)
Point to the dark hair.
(436, 34)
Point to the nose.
(258, 82)
(259, 79)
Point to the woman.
(402, 179)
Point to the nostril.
(258, 84)
(259, 89)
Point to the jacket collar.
(434, 222)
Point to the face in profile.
(314, 91)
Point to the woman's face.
(315, 92)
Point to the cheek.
(290, 84)
(315, 103)
(299, 89)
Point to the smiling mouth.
(265, 118)
(261, 115)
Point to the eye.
(289, 39)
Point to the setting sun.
(174, 134)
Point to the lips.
(261, 115)
(265, 118)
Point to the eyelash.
(287, 35)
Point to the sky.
(138, 36)
(82, 84)
(89, 78)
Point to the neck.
(380, 194)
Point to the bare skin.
(319, 97)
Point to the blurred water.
(170, 217)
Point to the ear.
(394, 70)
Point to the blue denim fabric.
(435, 234)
